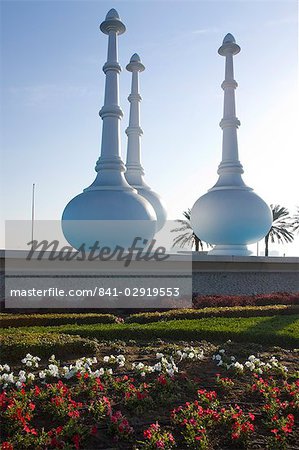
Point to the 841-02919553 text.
(98, 292)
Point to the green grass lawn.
(276, 330)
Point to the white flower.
(159, 355)
(142, 374)
(6, 368)
(29, 363)
(31, 376)
(69, 374)
(42, 374)
(222, 351)
(218, 357)
(251, 358)
(8, 377)
(170, 372)
(179, 353)
(239, 366)
(121, 360)
(191, 355)
(232, 358)
(52, 358)
(200, 355)
(220, 363)
(106, 359)
(259, 371)
(250, 365)
(110, 371)
(158, 367)
(18, 384)
(53, 369)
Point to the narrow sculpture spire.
(134, 168)
(230, 168)
(134, 174)
(110, 166)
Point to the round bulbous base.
(230, 250)
(156, 202)
(231, 217)
(111, 217)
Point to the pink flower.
(160, 444)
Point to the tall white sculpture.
(110, 210)
(134, 174)
(230, 214)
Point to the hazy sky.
(52, 89)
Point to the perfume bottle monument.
(230, 215)
(109, 210)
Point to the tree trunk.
(196, 240)
(267, 245)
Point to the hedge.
(15, 346)
(282, 298)
(237, 311)
(30, 320)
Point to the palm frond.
(187, 236)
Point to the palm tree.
(295, 221)
(187, 236)
(280, 230)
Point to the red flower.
(235, 436)
(287, 429)
(73, 414)
(7, 446)
(76, 441)
(147, 434)
(37, 391)
(94, 430)
(162, 380)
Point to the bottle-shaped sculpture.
(110, 210)
(230, 215)
(135, 173)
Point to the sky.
(52, 88)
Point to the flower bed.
(171, 396)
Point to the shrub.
(15, 346)
(30, 320)
(236, 311)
